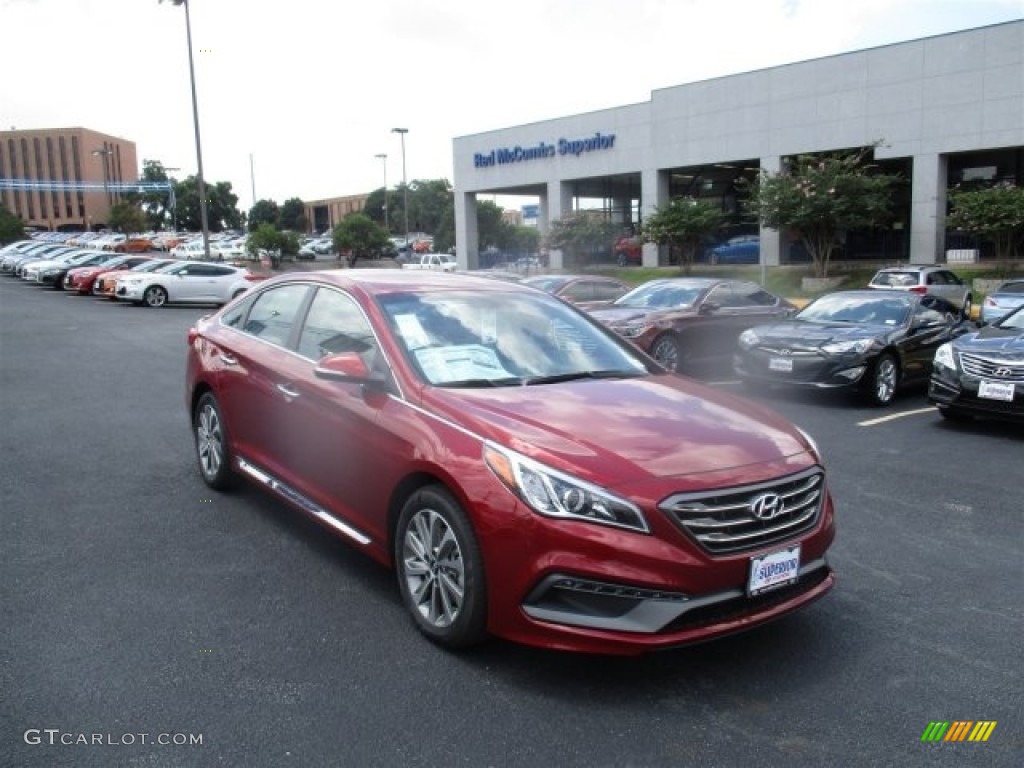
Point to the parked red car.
(526, 472)
(81, 279)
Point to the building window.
(26, 167)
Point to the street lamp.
(405, 187)
(172, 199)
(195, 119)
(384, 159)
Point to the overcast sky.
(311, 89)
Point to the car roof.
(382, 281)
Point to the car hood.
(996, 342)
(802, 334)
(619, 431)
(614, 315)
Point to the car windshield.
(896, 279)
(1013, 321)
(662, 295)
(857, 309)
(151, 266)
(1016, 286)
(550, 283)
(466, 339)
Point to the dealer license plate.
(776, 569)
(996, 390)
(780, 364)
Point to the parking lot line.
(892, 416)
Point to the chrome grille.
(789, 352)
(993, 370)
(723, 521)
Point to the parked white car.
(185, 283)
(189, 251)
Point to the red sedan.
(81, 279)
(525, 471)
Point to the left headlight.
(632, 331)
(749, 339)
(944, 357)
(858, 346)
(554, 494)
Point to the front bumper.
(814, 370)
(959, 392)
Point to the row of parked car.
(148, 280)
(911, 326)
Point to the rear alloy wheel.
(440, 569)
(212, 444)
(155, 296)
(666, 350)
(884, 379)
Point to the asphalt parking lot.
(139, 607)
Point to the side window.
(335, 324)
(581, 291)
(720, 295)
(234, 318)
(273, 313)
(752, 295)
(607, 291)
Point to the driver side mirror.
(709, 308)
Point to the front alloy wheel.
(666, 351)
(155, 296)
(440, 569)
(884, 379)
(212, 444)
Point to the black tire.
(440, 569)
(155, 296)
(968, 307)
(667, 350)
(883, 380)
(211, 440)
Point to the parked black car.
(872, 341)
(982, 374)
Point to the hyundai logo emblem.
(1003, 372)
(766, 506)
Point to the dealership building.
(942, 110)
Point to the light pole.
(384, 158)
(195, 119)
(172, 200)
(405, 187)
(105, 153)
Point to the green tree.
(156, 204)
(374, 208)
(292, 215)
(12, 228)
(581, 235)
(821, 197)
(361, 237)
(263, 212)
(127, 218)
(525, 240)
(685, 223)
(221, 207)
(268, 240)
(994, 213)
(492, 229)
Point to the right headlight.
(555, 494)
(749, 339)
(944, 357)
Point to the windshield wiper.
(471, 383)
(578, 375)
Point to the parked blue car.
(742, 249)
(1003, 300)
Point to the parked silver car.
(935, 281)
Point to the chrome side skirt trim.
(302, 502)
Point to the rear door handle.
(287, 390)
(228, 359)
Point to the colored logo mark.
(959, 730)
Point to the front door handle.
(287, 390)
(228, 359)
